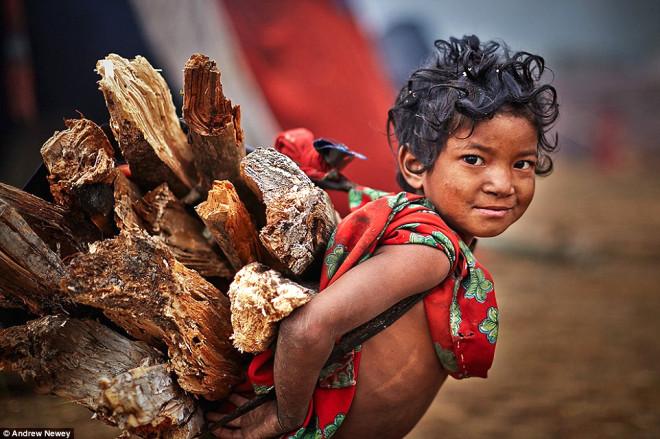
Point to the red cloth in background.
(317, 70)
(298, 145)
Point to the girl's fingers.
(226, 433)
(237, 399)
(213, 416)
(236, 423)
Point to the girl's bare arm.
(307, 336)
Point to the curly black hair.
(469, 81)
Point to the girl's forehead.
(503, 131)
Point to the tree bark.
(167, 218)
(145, 124)
(124, 382)
(137, 283)
(300, 217)
(215, 133)
(64, 231)
(126, 195)
(81, 164)
(29, 270)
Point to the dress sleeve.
(423, 227)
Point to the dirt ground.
(577, 355)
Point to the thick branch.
(215, 132)
(126, 195)
(124, 382)
(230, 224)
(300, 217)
(29, 270)
(144, 121)
(167, 218)
(139, 285)
(80, 160)
(64, 231)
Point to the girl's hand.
(259, 423)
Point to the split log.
(167, 218)
(300, 216)
(230, 224)
(29, 270)
(260, 298)
(136, 282)
(146, 401)
(144, 122)
(122, 381)
(162, 215)
(64, 231)
(81, 164)
(215, 133)
(126, 195)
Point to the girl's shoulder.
(402, 218)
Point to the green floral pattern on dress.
(397, 202)
(338, 375)
(261, 390)
(447, 245)
(447, 358)
(467, 253)
(314, 432)
(331, 241)
(455, 310)
(354, 198)
(410, 226)
(334, 259)
(476, 285)
(332, 428)
(374, 194)
(436, 238)
(490, 324)
(416, 238)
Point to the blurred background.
(577, 354)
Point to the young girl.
(471, 126)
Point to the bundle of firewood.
(125, 274)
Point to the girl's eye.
(524, 164)
(473, 160)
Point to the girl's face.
(483, 183)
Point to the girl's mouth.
(493, 211)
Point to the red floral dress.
(461, 311)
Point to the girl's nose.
(499, 182)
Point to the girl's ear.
(411, 169)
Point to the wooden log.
(146, 401)
(29, 270)
(124, 382)
(260, 298)
(81, 164)
(230, 224)
(144, 122)
(63, 230)
(167, 218)
(126, 196)
(137, 283)
(215, 133)
(300, 216)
